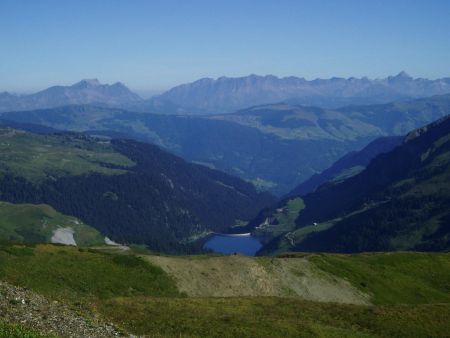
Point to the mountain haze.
(275, 146)
(271, 162)
(228, 94)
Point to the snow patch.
(110, 242)
(64, 236)
(117, 246)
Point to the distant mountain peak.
(119, 84)
(403, 75)
(87, 83)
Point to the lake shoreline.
(246, 234)
(244, 244)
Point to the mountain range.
(228, 94)
(225, 95)
(89, 91)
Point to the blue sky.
(153, 45)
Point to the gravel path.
(23, 307)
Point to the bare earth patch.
(233, 276)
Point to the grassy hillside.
(16, 331)
(287, 317)
(299, 122)
(274, 317)
(38, 157)
(281, 221)
(386, 278)
(65, 273)
(410, 290)
(400, 117)
(405, 278)
(37, 224)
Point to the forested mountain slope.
(399, 202)
(349, 165)
(130, 191)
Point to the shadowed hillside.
(398, 202)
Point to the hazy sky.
(157, 44)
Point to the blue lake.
(228, 244)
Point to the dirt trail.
(235, 275)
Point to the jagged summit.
(403, 74)
(87, 83)
(90, 82)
